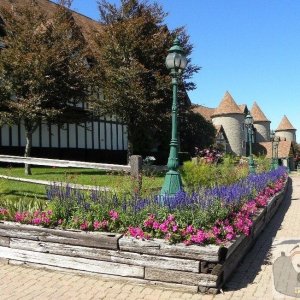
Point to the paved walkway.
(251, 281)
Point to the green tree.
(195, 131)
(133, 45)
(43, 67)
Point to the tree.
(133, 45)
(195, 131)
(43, 67)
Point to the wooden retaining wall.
(191, 268)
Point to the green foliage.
(132, 48)
(43, 67)
(195, 131)
(207, 175)
(262, 163)
(23, 205)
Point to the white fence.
(135, 169)
(63, 163)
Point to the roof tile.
(285, 124)
(265, 148)
(227, 106)
(206, 112)
(257, 114)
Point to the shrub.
(208, 174)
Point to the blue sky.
(249, 47)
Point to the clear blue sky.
(250, 48)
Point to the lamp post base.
(172, 183)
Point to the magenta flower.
(114, 215)
(155, 225)
(164, 227)
(84, 225)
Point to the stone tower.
(285, 130)
(261, 124)
(229, 115)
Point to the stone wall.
(262, 131)
(191, 268)
(233, 127)
(288, 135)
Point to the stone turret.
(261, 124)
(230, 116)
(286, 130)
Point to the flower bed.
(205, 265)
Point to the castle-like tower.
(261, 124)
(230, 116)
(286, 130)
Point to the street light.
(272, 137)
(276, 144)
(176, 62)
(249, 127)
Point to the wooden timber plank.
(71, 237)
(72, 262)
(160, 247)
(4, 241)
(137, 281)
(107, 255)
(181, 277)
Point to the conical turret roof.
(227, 106)
(257, 114)
(285, 124)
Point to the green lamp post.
(249, 126)
(276, 144)
(176, 62)
(272, 137)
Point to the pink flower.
(21, 216)
(100, 225)
(190, 229)
(3, 211)
(230, 236)
(114, 215)
(200, 237)
(137, 232)
(216, 230)
(36, 221)
(155, 225)
(175, 228)
(84, 225)
(164, 227)
(171, 218)
(96, 225)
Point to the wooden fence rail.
(64, 163)
(134, 168)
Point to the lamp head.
(248, 120)
(176, 59)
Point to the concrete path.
(252, 281)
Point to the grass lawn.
(10, 189)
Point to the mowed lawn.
(10, 189)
